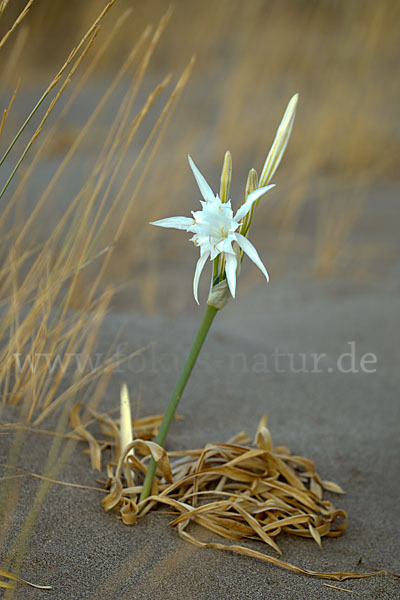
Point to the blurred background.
(334, 211)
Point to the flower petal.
(251, 198)
(199, 267)
(174, 223)
(280, 142)
(205, 189)
(251, 252)
(214, 251)
(226, 245)
(230, 269)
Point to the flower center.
(213, 224)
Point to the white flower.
(215, 227)
(215, 230)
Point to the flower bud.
(125, 426)
(252, 182)
(280, 142)
(251, 186)
(226, 176)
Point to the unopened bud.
(125, 426)
(251, 186)
(226, 176)
(252, 182)
(280, 142)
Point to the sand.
(346, 422)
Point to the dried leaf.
(8, 575)
(331, 486)
(233, 490)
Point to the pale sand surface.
(348, 423)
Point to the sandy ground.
(260, 358)
(347, 422)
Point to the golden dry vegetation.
(250, 58)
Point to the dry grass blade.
(37, 291)
(37, 297)
(234, 490)
(48, 113)
(331, 486)
(95, 452)
(6, 111)
(8, 575)
(3, 4)
(17, 21)
(22, 473)
(335, 576)
(335, 587)
(88, 35)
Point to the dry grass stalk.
(85, 41)
(3, 4)
(49, 110)
(6, 111)
(8, 585)
(235, 490)
(39, 284)
(17, 21)
(54, 272)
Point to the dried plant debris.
(238, 490)
(15, 578)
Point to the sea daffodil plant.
(222, 237)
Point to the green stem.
(177, 393)
(215, 267)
